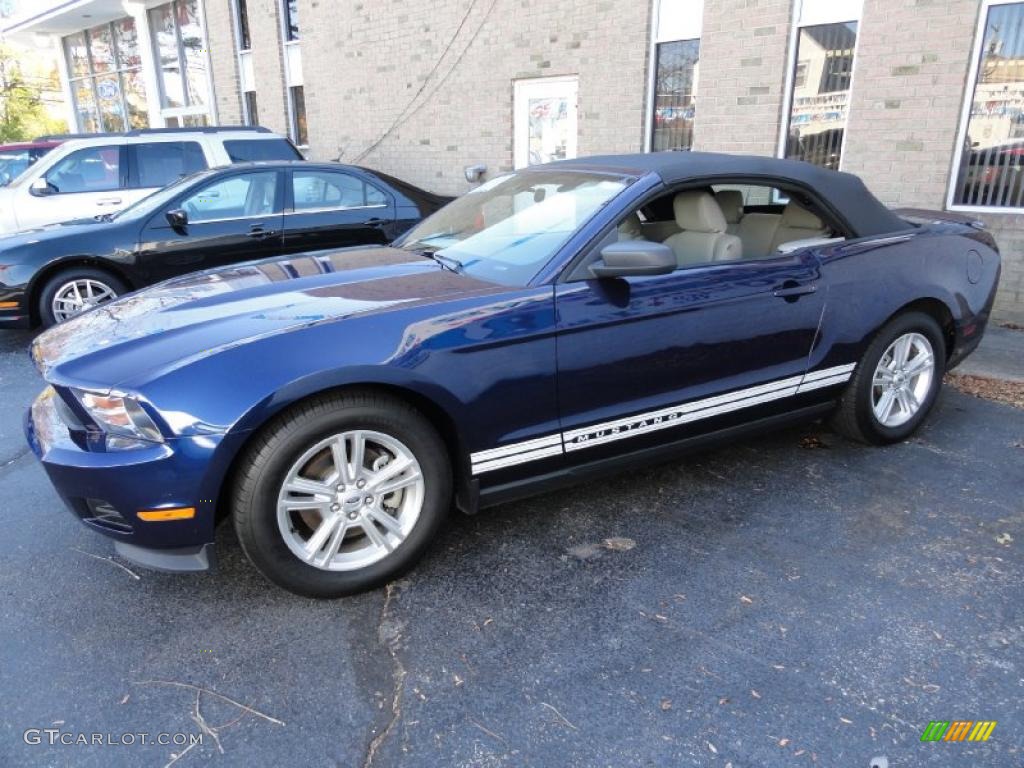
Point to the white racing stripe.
(652, 421)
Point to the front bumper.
(106, 491)
(14, 312)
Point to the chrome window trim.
(325, 210)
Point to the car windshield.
(13, 163)
(505, 230)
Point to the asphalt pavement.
(792, 599)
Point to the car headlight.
(120, 417)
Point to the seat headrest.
(631, 228)
(731, 203)
(697, 211)
(799, 218)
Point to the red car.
(16, 158)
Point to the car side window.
(727, 222)
(241, 196)
(323, 190)
(249, 150)
(157, 164)
(92, 169)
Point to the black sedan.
(210, 219)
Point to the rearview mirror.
(41, 187)
(177, 218)
(634, 258)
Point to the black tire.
(50, 288)
(855, 418)
(261, 472)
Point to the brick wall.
(223, 61)
(365, 62)
(742, 74)
(422, 89)
(909, 85)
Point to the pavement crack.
(14, 459)
(389, 633)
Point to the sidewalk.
(999, 356)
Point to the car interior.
(727, 222)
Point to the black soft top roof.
(843, 192)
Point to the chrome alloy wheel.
(350, 500)
(902, 379)
(78, 295)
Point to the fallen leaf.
(125, 699)
(666, 705)
(745, 599)
(844, 720)
(1005, 539)
(778, 666)
(1000, 390)
(713, 748)
(616, 544)
(812, 442)
(799, 752)
(783, 742)
(458, 680)
(723, 700)
(755, 694)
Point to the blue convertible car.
(559, 321)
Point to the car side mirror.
(177, 218)
(634, 258)
(41, 187)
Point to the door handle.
(258, 232)
(109, 201)
(374, 222)
(791, 290)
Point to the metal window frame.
(92, 75)
(293, 115)
(965, 114)
(186, 110)
(795, 27)
(652, 61)
(236, 15)
(286, 27)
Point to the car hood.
(49, 232)
(170, 324)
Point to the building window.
(675, 52)
(800, 76)
(181, 57)
(820, 95)
(297, 107)
(105, 74)
(990, 153)
(242, 14)
(252, 115)
(674, 108)
(291, 19)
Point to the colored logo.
(958, 730)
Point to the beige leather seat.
(797, 224)
(731, 203)
(631, 228)
(703, 237)
(757, 230)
